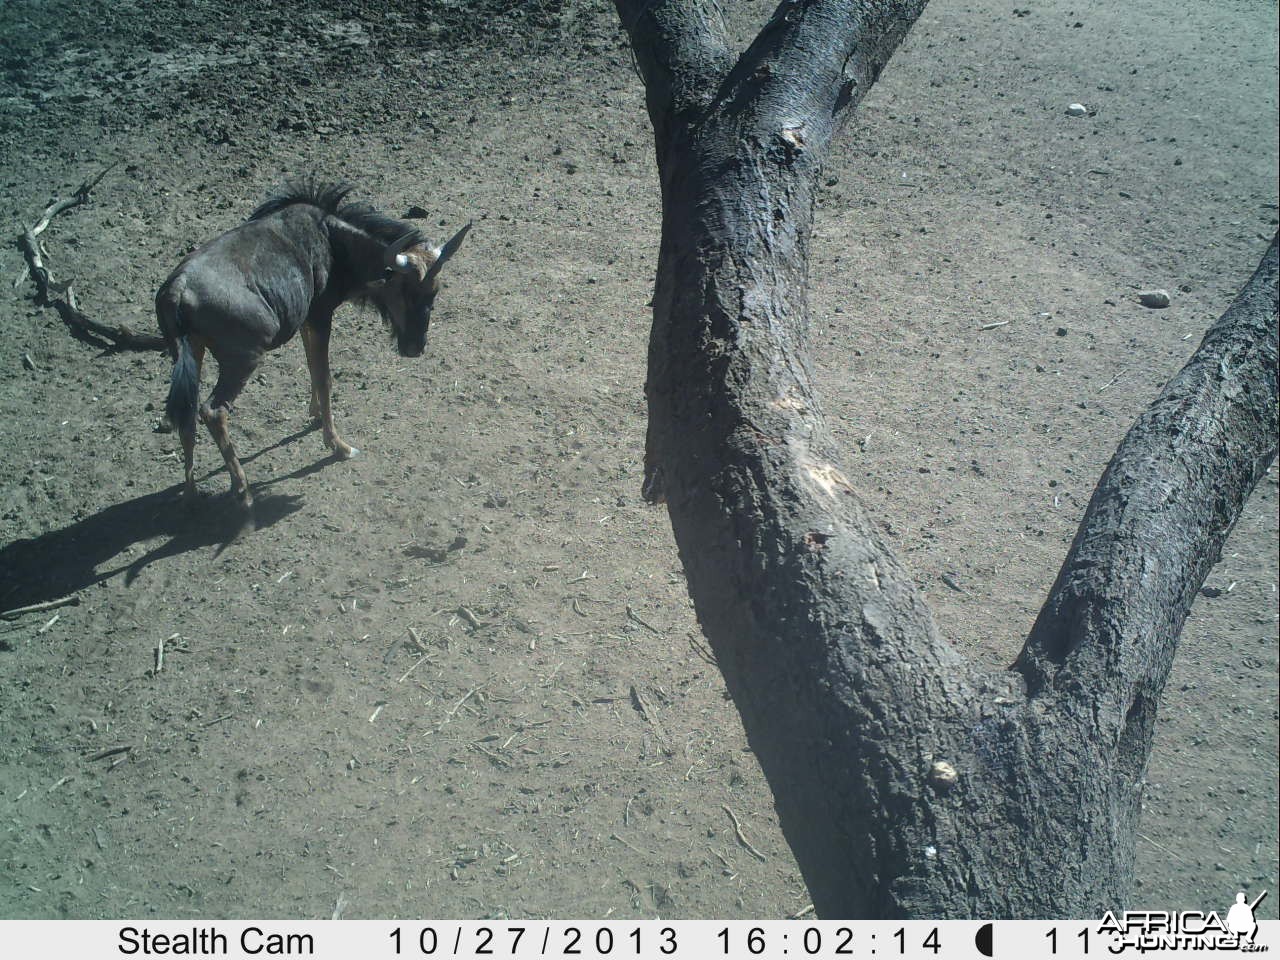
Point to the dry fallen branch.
(111, 752)
(1161, 847)
(416, 641)
(417, 663)
(159, 655)
(465, 697)
(636, 618)
(702, 651)
(120, 337)
(629, 846)
(500, 760)
(470, 617)
(58, 206)
(651, 716)
(737, 829)
(61, 296)
(16, 612)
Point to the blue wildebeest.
(286, 269)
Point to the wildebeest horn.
(449, 249)
(394, 256)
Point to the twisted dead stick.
(60, 296)
(35, 265)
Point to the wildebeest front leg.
(315, 340)
(216, 413)
(313, 411)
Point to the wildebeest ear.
(449, 249)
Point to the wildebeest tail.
(184, 388)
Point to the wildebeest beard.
(403, 340)
(369, 299)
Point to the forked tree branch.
(810, 64)
(907, 783)
(682, 52)
(1157, 521)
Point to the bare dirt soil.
(558, 745)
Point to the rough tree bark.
(908, 783)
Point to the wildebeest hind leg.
(216, 413)
(187, 433)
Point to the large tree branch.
(682, 51)
(1156, 524)
(813, 62)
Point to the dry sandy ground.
(294, 750)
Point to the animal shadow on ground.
(64, 561)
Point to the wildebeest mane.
(330, 196)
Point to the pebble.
(1077, 110)
(1157, 299)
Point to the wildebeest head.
(408, 293)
